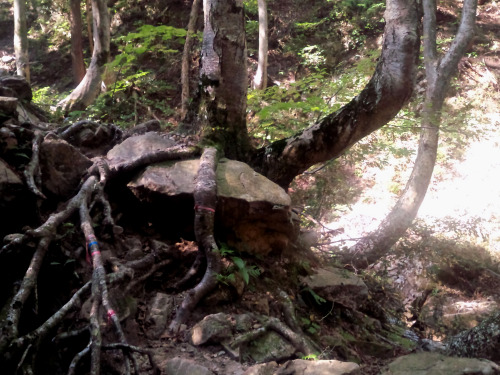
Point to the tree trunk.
(223, 76)
(186, 56)
(260, 79)
(438, 74)
(88, 17)
(21, 39)
(388, 90)
(76, 41)
(90, 86)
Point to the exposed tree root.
(301, 343)
(205, 198)
(32, 171)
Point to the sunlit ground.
(467, 194)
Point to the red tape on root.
(205, 208)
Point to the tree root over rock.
(18, 349)
(205, 198)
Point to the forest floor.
(463, 202)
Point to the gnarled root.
(205, 198)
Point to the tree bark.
(438, 74)
(76, 41)
(88, 17)
(186, 55)
(388, 90)
(223, 76)
(21, 39)
(260, 79)
(88, 89)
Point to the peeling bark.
(388, 90)
(223, 75)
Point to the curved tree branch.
(388, 90)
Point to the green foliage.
(318, 299)
(135, 90)
(244, 270)
(148, 39)
(281, 111)
(310, 327)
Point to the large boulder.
(253, 213)
(437, 364)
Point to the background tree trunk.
(260, 78)
(186, 57)
(88, 16)
(388, 90)
(438, 74)
(76, 41)
(21, 39)
(90, 86)
(223, 76)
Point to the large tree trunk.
(388, 90)
(76, 41)
(438, 74)
(90, 86)
(186, 57)
(21, 39)
(223, 76)
(260, 79)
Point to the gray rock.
(337, 285)
(134, 147)
(181, 366)
(437, 364)
(302, 367)
(213, 329)
(15, 86)
(62, 167)
(8, 106)
(320, 367)
(9, 181)
(268, 368)
(266, 348)
(252, 211)
(159, 313)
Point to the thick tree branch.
(389, 89)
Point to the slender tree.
(88, 16)
(76, 40)
(21, 39)
(186, 56)
(260, 78)
(439, 72)
(90, 86)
